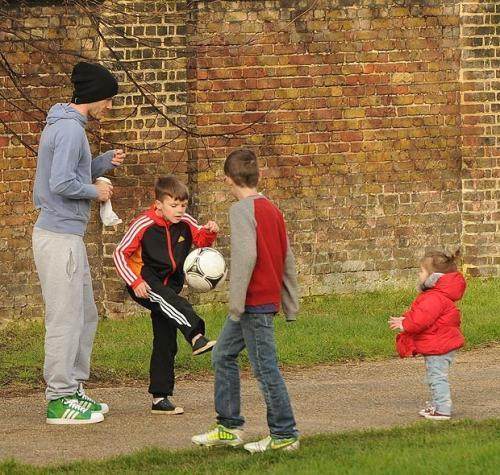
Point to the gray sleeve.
(289, 292)
(102, 164)
(243, 255)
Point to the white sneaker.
(68, 411)
(436, 416)
(271, 443)
(427, 409)
(220, 435)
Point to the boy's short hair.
(171, 186)
(436, 261)
(242, 167)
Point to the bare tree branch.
(101, 16)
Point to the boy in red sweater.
(150, 258)
(432, 327)
(262, 277)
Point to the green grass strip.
(329, 329)
(463, 447)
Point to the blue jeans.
(438, 367)
(256, 333)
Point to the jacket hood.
(65, 112)
(452, 285)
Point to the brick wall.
(360, 141)
(38, 79)
(369, 120)
(146, 115)
(480, 80)
(152, 60)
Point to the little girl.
(431, 327)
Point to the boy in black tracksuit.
(150, 258)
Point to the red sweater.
(263, 274)
(432, 325)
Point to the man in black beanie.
(65, 184)
(92, 84)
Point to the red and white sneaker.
(427, 409)
(436, 416)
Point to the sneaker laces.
(211, 434)
(264, 443)
(82, 395)
(74, 404)
(428, 406)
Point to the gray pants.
(70, 311)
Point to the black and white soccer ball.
(205, 269)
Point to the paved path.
(326, 399)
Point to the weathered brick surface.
(480, 89)
(133, 122)
(38, 80)
(360, 135)
(376, 122)
(152, 74)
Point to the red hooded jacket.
(432, 325)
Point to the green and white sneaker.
(88, 403)
(272, 443)
(220, 435)
(67, 410)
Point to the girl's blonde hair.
(436, 261)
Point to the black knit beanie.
(92, 83)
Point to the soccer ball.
(205, 269)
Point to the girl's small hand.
(212, 226)
(396, 323)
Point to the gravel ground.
(325, 398)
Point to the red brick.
(353, 112)
(351, 136)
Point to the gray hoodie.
(65, 172)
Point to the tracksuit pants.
(70, 311)
(169, 312)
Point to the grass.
(330, 329)
(463, 447)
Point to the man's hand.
(212, 226)
(141, 291)
(104, 190)
(396, 323)
(118, 157)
